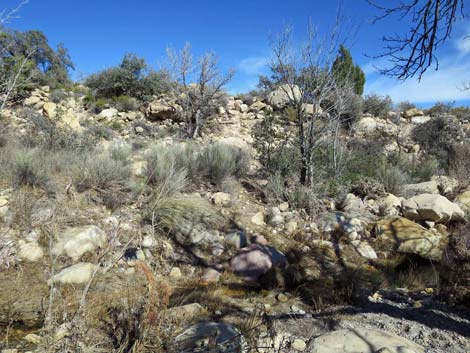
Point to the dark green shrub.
(377, 105)
(271, 141)
(131, 78)
(437, 136)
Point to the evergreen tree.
(344, 70)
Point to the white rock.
(75, 242)
(298, 345)
(108, 113)
(30, 252)
(258, 219)
(76, 274)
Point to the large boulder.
(159, 109)
(359, 340)
(405, 236)
(413, 112)
(282, 96)
(49, 110)
(432, 207)
(255, 260)
(427, 187)
(75, 242)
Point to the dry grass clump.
(214, 163)
(99, 172)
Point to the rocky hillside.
(118, 234)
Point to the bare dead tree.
(199, 99)
(432, 23)
(318, 101)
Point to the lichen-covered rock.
(405, 236)
(432, 207)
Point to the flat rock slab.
(363, 341)
(205, 335)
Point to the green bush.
(377, 105)
(131, 78)
(271, 142)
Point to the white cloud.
(442, 85)
(463, 45)
(253, 65)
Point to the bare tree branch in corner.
(432, 22)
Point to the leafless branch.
(432, 23)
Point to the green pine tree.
(344, 70)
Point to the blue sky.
(98, 33)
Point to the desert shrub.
(219, 161)
(459, 163)
(121, 153)
(405, 105)
(461, 113)
(213, 163)
(368, 187)
(455, 268)
(57, 95)
(26, 169)
(125, 103)
(439, 109)
(131, 78)
(276, 188)
(161, 167)
(354, 109)
(437, 136)
(377, 105)
(392, 178)
(247, 98)
(271, 142)
(302, 197)
(99, 172)
(424, 169)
